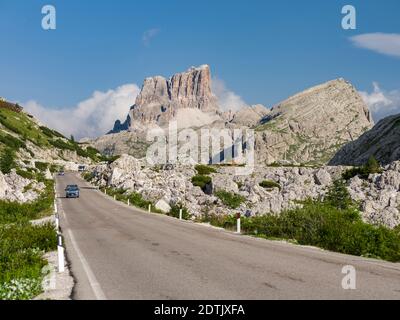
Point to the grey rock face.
(249, 116)
(311, 126)
(382, 142)
(160, 99)
(16, 188)
(379, 197)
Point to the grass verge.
(22, 246)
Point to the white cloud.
(90, 118)
(382, 103)
(148, 35)
(384, 43)
(228, 100)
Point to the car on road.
(81, 168)
(72, 191)
(61, 173)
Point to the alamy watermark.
(349, 21)
(349, 282)
(49, 21)
(233, 147)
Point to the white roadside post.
(60, 250)
(149, 208)
(115, 197)
(238, 227)
(57, 222)
(105, 191)
(128, 202)
(180, 214)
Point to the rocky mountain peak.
(161, 99)
(312, 125)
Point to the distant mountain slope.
(25, 137)
(382, 142)
(311, 126)
(307, 128)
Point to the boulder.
(163, 206)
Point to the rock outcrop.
(311, 126)
(249, 116)
(378, 196)
(381, 142)
(16, 188)
(160, 99)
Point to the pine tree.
(373, 166)
(338, 196)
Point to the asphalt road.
(119, 252)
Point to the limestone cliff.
(312, 125)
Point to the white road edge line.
(98, 292)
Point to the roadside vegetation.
(229, 199)
(135, 199)
(22, 245)
(333, 224)
(175, 210)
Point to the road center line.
(94, 284)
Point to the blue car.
(72, 191)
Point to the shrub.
(205, 170)
(88, 176)
(60, 144)
(201, 181)
(174, 212)
(42, 166)
(12, 142)
(48, 132)
(231, 200)
(371, 167)
(93, 153)
(26, 174)
(7, 160)
(269, 184)
(326, 225)
(338, 196)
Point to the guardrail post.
(60, 251)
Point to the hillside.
(381, 142)
(311, 126)
(30, 152)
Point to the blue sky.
(264, 51)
